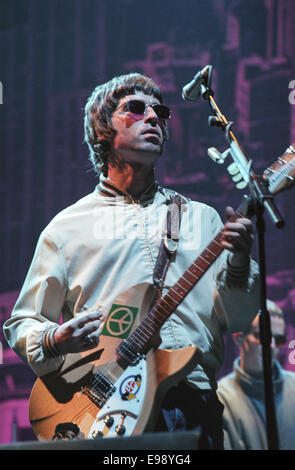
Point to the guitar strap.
(169, 242)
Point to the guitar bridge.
(100, 389)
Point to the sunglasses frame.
(145, 106)
(280, 340)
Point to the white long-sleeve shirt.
(106, 243)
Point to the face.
(139, 138)
(251, 349)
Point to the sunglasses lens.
(162, 111)
(280, 340)
(136, 106)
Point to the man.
(109, 241)
(242, 392)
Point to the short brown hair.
(98, 130)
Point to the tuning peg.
(242, 184)
(233, 169)
(237, 177)
(217, 156)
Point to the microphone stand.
(261, 199)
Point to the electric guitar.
(116, 389)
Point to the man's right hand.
(79, 334)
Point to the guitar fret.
(154, 322)
(203, 263)
(174, 290)
(215, 241)
(204, 259)
(136, 339)
(150, 327)
(193, 274)
(191, 280)
(180, 284)
(142, 332)
(163, 307)
(156, 314)
(170, 297)
(199, 267)
(211, 252)
(164, 300)
(186, 280)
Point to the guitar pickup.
(128, 355)
(100, 389)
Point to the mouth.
(152, 134)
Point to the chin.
(146, 157)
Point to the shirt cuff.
(237, 275)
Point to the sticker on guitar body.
(119, 321)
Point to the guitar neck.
(166, 305)
(141, 338)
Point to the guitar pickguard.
(120, 414)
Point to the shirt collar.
(109, 189)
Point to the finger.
(91, 340)
(90, 328)
(236, 237)
(227, 245)
(239, 224)
(240, 230)
(88, 317)
(229, 212)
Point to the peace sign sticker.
(119, 321)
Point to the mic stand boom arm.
(261, 199)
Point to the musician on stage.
(109, 240)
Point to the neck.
(132, 178)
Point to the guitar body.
(95, 392)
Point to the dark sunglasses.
(139, 107)
(279, 339)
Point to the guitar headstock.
(281, 174)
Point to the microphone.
(192, 91)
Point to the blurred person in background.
(242, 391)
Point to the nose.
(150, 114)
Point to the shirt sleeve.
(39, 306)
(236, 294)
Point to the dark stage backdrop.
(54, 52)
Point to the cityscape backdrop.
(52, 55)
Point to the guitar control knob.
(120, 429)
(109, 421)
(97, 434)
